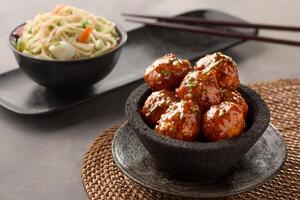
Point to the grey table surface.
(40, 156)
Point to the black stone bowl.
(68, 74)
(199, 160)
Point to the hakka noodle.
(67, 33)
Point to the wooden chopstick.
(198, 29)
(195, 20)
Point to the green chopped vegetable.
(195, 109)
(85, 24)
(223, 91)
(99, 44)
(222, 112)
(177, 62)
(20, 44)
(164, 72)
(208, 63)
(192, 82)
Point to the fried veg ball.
(223, 121)
(200, 87)
(157, 104)
(225, 67)
(181, 121)
(235, 97)
(166, 72)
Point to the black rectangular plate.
(19, 94)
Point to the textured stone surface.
(260, 164)
(197, 159)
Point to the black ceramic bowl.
(68, 74)
(197, 159)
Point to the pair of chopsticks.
(188, 24)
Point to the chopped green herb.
(177, 62)
(195, 109)
(192, 82)
(30, 31)
(58, 24)
(85, 24)
(208, 63)
(164, 72)
(222, 112)
(223, 91)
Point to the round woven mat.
(103, 180)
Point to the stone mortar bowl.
(200, 160)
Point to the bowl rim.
(141, 128)
(123, 38)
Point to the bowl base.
(260, 164)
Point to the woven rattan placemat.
(103, 180)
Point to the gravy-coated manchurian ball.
(157, 104)
(235, 97)
(200, 87)
(180, 121)
(223, 121)
(224, 66)
(166, 72)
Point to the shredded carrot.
(58, 8)
(85, 35)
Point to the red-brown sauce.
(156, 104)
(166, 72)
(180, 121)
(188, 103)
